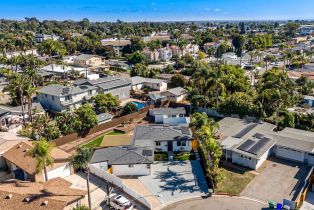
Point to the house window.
(181, 143)
(173, 116)
(46, 95)
(148, 166)
(131, 166)
(180, 115)
(157, 143)
(90, 92)
(53, 98)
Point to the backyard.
(234, 181)
(97, 141)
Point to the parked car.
(119, 202)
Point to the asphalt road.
(217, 203)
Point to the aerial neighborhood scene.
(157, 105)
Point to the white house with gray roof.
(123, 162)
(249, 143)
(175, 94)
(117, 86)
(162, 138)
(138, 83)
(170, 116)
(59, 98)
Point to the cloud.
(217, 10)
(208, 9)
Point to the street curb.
(214, 195)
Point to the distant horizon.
(159, 10)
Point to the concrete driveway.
(176, 180)
(278, 180)
(217, 203)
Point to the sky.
(158, 10)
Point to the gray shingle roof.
(84, 57)
(105, 82)
(60, 90)
(146, 135)
(138, 80)
(118, 156)
(104, 116)
(177, 91)
(169, 111)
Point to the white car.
(119, 202)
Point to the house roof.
(254, 147)
(56, 191)
(60, 90)
(84, 57)
(138, 80)
(18, 156)
(104, 82)
(115, 42)
(177, 91)
(104, 116)
(146, 135)
(118, 156)
(169, 111)
(18, 109)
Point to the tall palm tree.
(29, 91)
(80, 161)
(42, 152)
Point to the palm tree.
(80, 162)
(29, 91)
(42, 152)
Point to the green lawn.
(112, 133)
(234, 181)
(183, 156)
(160, 156)
(95, 143)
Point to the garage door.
(290, 154)
(62, 172)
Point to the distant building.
(116, 44)
(117, 86)
(309, 100)
(152, 56)
(138, 83)
(86, 60)
(165, 54)
(170, 116)
(307, 29)
(175, 94)
(59, 98)
(41, 37)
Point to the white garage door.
(290, 154)
(62, 172)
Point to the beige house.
(175, 94)
(85, 60)
(23, 166)
(56, 194)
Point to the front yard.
(234, 181)
(177, 156)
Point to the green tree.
(42, 152)
(105, 102)
(137, 58)
(129, 108)
(178, 80)
(87, 116)
(80, 161)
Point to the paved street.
(217, 203)
(176, 180)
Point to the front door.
(170, 146)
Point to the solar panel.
(259, 146)
(258, 135)
(245, 130)
(147, 152)
(246, 145)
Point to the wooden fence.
(142, 113)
